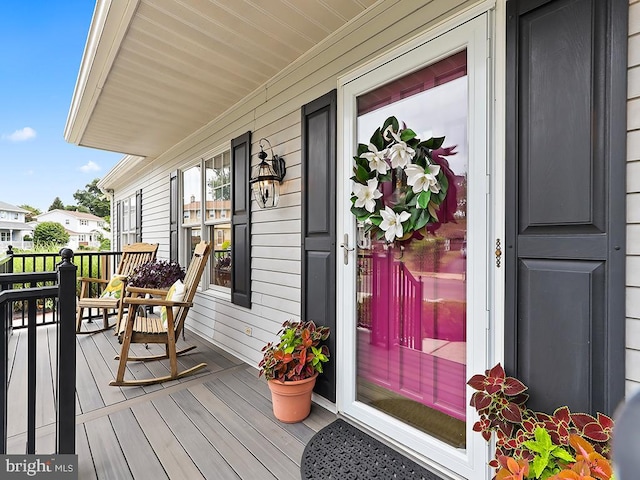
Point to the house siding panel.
(633, 204)
(274, 112)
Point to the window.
(16, 216)
(128, 221)
(191, 207)
(5, 237)
(84, 222)
(3, 214)
(215, 226)
(66, 222)
(218, 196)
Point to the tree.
(50, 233)
(93, 199)
(33, 211)
(57, 204)
(75, 208)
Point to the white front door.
(413, 324)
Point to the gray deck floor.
(216, 424)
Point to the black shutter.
(319, 226)
(139, 216)
(174, 213)
(241, 220)
(565, 258)
(118, 225)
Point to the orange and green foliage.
(536, 445)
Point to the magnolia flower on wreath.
(397, 159)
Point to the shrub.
(52, 233)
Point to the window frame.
(203, 223)
(212, 223)
(129, 220)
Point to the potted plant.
(291, 367)
(157, 274)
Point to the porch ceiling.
(154, 71)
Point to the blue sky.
(41, 46)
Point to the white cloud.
(26, 133)
(90, 167)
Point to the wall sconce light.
(266, 177)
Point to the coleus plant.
(299, 353)
(524, 436)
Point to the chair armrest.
(161, 292)
(155, 302)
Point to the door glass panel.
(411, 298)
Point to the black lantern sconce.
(266, 177)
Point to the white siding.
(274, 112)
(633, 203)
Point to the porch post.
(66, 353)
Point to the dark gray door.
(565, 245)
(319, 226)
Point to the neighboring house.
(13, 227)
(533, 94)
(84, 229)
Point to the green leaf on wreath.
(362, 175)
(377, 139)
(433, 143)
(362, 148)
(391, 121)
(423, 219)
(423, 199)
(376, 220)
(432, 211)
(407, 134)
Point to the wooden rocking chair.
(140, 328)
(132, 256)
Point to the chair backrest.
(134, 255)
(191, 281)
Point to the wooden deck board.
(86, 469)
(45, 378)
(17, 392)
(216, 424)
(207, 459)
(138, 453)
(232, 450)
(86, 389)
(255, 439)
(108, 458)
(172, 455)
(299, 430)
(242, 401)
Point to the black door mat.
(341, 451)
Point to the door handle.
(345, 249)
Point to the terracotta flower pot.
(292, 400)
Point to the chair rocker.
(141, 328)
(132, 256)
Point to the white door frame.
(473, 34)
